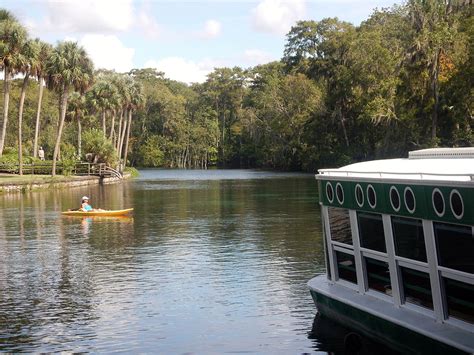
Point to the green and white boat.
(399, 242)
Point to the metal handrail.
(80, 168)
(390, 173)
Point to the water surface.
(212, 261)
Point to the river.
(211, 261)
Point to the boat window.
(410, 202)
(371, 231)
(340, 225)
(416, 287)
(329, 192)
(371, 196)
(459, 299)
(457, 205)
(378, 276)
(359, 195)
(395, 198)
(339, 193)
(409, 238)
(438, 202)
(455, 246)
(346, 267)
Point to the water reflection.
(208, 263)
(334, 338)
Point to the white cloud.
(86, 16)
(107, 51)
(212, 29)
(277, 16)
(147, 23)
(184, 70)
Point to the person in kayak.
(86, 207)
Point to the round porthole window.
(371, 196)
(438, 202)
(329, 192)
(359, 195)
(457, 204)
(394, 198)
(410, 202)
(339, 193)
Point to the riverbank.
(16, 183)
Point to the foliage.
(68, 158)
(151, 152)
(132, 171)
(100, 148)
(401, 80)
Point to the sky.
(184, 39)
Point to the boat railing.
(391, 174)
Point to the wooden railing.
(80, 169)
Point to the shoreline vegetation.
(401, 80)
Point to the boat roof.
(444, 164)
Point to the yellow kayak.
(104, 213)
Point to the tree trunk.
(38, 116)
(119, 132)
(112, 126)
(62, 116)
(122, 136)
(435, 91)
(223, 138)
(103, 123)
(129, 126)
(79, 135)
(343, 122)
(6, 100)
(344, 131)
(20, 123)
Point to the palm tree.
(27, 59)
(117, 82)
(137, 101)
(12, 38)
(68, 67)
(40, 71)
(77, 105)
(125, 92)
(104, 97)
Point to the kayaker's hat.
(85, 198)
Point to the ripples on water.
(212, 261)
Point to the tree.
(12, 38)
(125, 93)
(77, 106)
(104, 98)
(301, 45)
(27, 60)
(40, 71)
(322, 48)
(434, 34)
(136, 101)
(68, 67)
(225, 90)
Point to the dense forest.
(401, 80)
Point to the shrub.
(100, 147)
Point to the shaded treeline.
(401, 80)
(81, 96)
